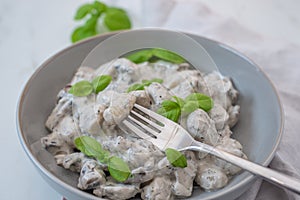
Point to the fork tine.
(152, 114)
(147, 128)
(137, 131)
(158, 127)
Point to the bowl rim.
(249, 177)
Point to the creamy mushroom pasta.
(100, 117)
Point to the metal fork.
(165, 133)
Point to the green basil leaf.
(118, 169)
(157, 80)
(116, 19)
(100, 7)
(101, 82)
(116, 9)
(154, 54)
(190, 107)
(136, 86)
(179, 101)
(82, 32)
(204, 102)
(113, 19)
(83, 11)
(148, 82)
(140, 56)
(170, 110)
(91, 23)
(88, 145)
(141, 86)
(82, 88)
(176, 158)
(103, 157)
(167, 55)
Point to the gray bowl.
(259, 129)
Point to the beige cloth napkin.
(279, 59)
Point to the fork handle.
(268, 174)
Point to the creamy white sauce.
(99, 116)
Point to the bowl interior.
(259, 128)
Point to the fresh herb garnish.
(170, 110)
(85, 88)
(173, 109)
(83, 11)
(88, 146)
(117, 167)
(179, 101)
(155, 54)
(154, 80)
(140, 56)
(137, 86)
(101, 82)
(141, 86)
(116, 19)
(113, 19)
(176, 158)
(81, 88)
(189, 107)
(167, 55)
(201, 100)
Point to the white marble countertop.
(33, 30)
